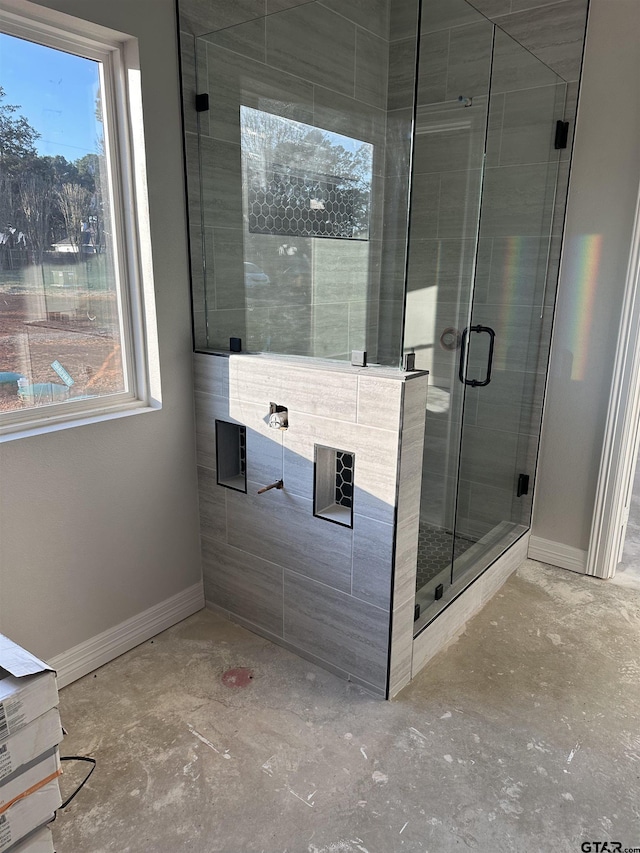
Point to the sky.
(56, 93)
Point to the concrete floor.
(522, 736)
(628, 569)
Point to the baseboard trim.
(84, 658)
(557, 554)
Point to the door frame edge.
(622, 431)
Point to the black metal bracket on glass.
(476, 383)
(202, 102)
(562, 135)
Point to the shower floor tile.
(435, 550)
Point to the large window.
(72, 321)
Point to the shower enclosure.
(381, 177)
(478, 309)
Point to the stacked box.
(30, 732)
(40, 841)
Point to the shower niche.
(381, 180)
(333, 478)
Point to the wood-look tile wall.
(342, 583)
(452, 53)
(518, 203)
(278, 62)
(321, 589)
(406, 544)
(455, 49)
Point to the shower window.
(301, 181)
(301, 165)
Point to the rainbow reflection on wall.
(580, 277)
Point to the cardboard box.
(35, 775)
(27, 688)
(35, 810)
(36, 738)
(41, 841)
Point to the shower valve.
(278, 416)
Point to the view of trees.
(294, 165)
(44, 200)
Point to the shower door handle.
(476, 383)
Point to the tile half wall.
(327, 591)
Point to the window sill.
(43, 424)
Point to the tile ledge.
(376, 371)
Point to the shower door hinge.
(409, 361)
(562, 134)
(523, 485)
(416, 613)
(202, 102)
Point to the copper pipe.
(278, 485)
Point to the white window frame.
(126, 167)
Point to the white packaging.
(24, 783)
(27, 688)
(23, 816)
(36, 738)
(40, 841)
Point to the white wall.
(602, 199)
(100, 522)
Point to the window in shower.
(306, 199)
(300, 160)
(302, 181)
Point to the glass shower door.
(502, 361)
(487, 328)
(449, 143)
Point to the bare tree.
(37, 198)
(74, 201)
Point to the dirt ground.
(75, 327)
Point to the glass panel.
(485, 356)
(306, 196)
(308, 167)
(301, 163)
(60, 329)
(451, 125)
(501, 420)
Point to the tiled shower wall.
(403, 23)
(254, 576)
(455, 60)
(554, 33)
(259, 64)
(350, 317)
(326, 591)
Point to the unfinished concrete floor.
(523, 736)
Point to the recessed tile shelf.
(333, 484)
(231, 455)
